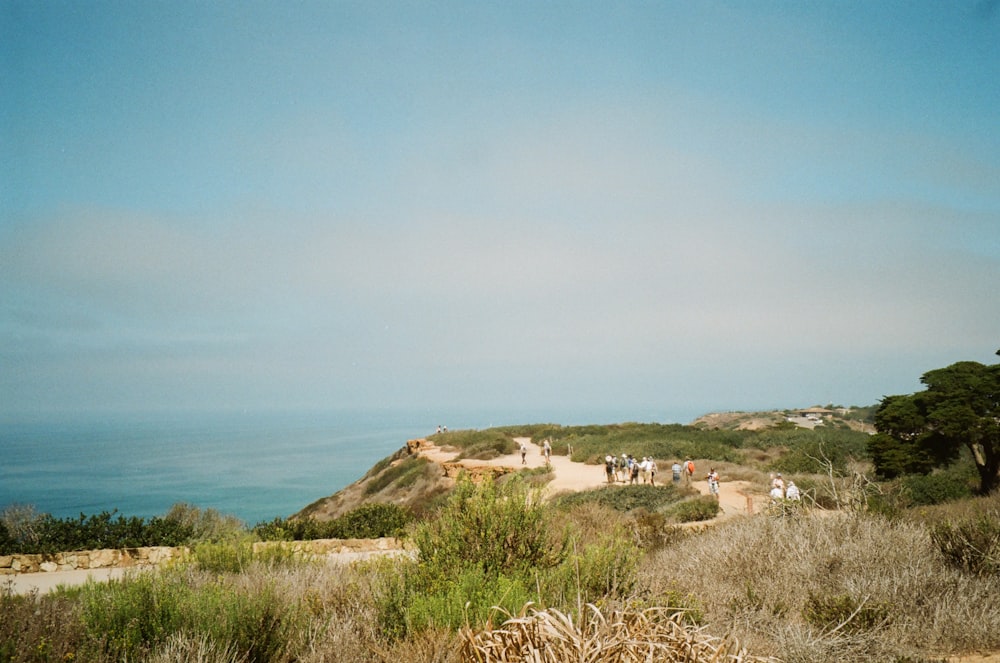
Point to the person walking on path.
(688, 470)
(713, 483)
(547, 452)
(524, 454)
(676, 469)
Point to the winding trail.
(735, 497)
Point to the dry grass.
(952, 512)
(621, 636)
(759, 578)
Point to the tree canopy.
(959, 409)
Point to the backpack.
(690, 467)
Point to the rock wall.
(90, 559)
(156, 556)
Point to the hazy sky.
(640, 207)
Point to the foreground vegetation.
(901, 568)
(578, 576)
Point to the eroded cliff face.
(411, 477)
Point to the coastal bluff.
(411, 477)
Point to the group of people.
(630, 470)
(687, 470)
(782, 491)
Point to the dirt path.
(735, 497)
(568, 475)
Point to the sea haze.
(254, 466)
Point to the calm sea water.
(253, 466)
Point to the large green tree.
(921, 431)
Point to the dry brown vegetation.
(844, 587)
(614, 636)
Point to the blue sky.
(644, 208)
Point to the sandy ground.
(43, 582)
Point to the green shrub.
(368, 521)
(223, 557)
(372, 521)
(30, 532)
(594, 571)
(204, 524)
(483, 549)
(500, 440)
(133, 617)
(937, 488)
(488, 449)
(623, 498)
(494, 545)
(696, 509)
(498, 527)
(470, 597)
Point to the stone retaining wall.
(90, 559)
(156, 556)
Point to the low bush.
(695, 509)
(131, 618)
(938, 487)
(204, 524)
(372, 521)
(653, 530)
(28, 532)
(843, 612)
(498, 527)
(500, 440)
(38, 627)
(625, 498)
(488, 449)
(972, 545)
(223, 557)
(368, 521)
(620, 635)
(594, 570)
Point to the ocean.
(255, 466)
